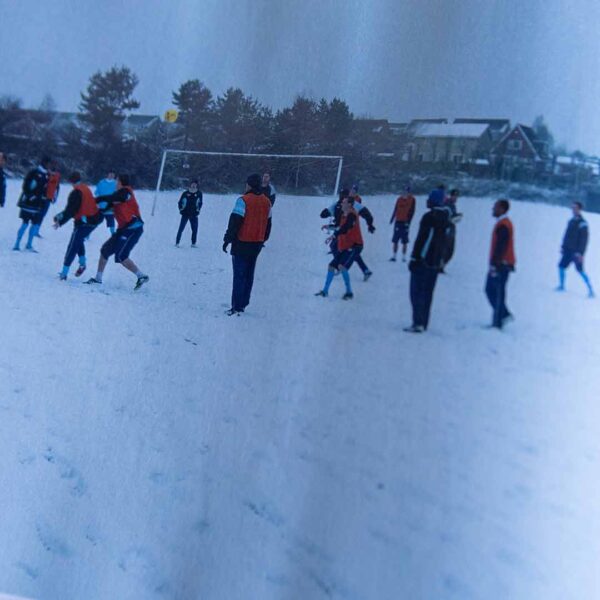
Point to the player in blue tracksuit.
(573, 248)
(106, 187)
(31, 202)
(189, 205)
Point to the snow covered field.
(154, 448)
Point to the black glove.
(371, 228)
(225, 244)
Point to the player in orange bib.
(249, 227)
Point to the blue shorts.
(121, 243)
(568, 257)
(400, 232)
(346, 258)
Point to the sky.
(394, 59)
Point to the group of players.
(434, 248)
(114, 201)
(250, 225)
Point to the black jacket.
(576, 236)
(34, 189)
(190, 203)
(430, 245)
(73, 204)
(2, 187)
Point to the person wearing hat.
(427, 259)
(404, 211)
(189, 204)
(249, 227)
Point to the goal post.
(299, 157)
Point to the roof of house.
(493, 123)
(453, 130)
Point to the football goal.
(226, 172)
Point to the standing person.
(249, 227)
(106, 187)
(82, 208)
(502, 262)
(129, 231)
(349, 245)
(52, 190)
(189, 204)
(427, 260)
(267, 188)
(573, 248)
(31, 203)
(403, 214)
(2, 180)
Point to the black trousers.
(495, 290)
(243, 279)
(193, 219)
(422, 284)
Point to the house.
(414, 125)
(519, 154)
(498, 127)
(134, 125)
(448, 143)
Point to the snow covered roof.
(564, 160)
(469, 130)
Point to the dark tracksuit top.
(34, 190)
(190, 204)
(430, 245)
(576, 236)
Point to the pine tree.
(196, 112)
(106, 102)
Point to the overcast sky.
(395, 59)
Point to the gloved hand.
(371, 228)
(225, 244)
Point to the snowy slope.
(154, 448)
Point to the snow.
(154, 448)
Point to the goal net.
(226, 172)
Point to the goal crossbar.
(207, 153)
